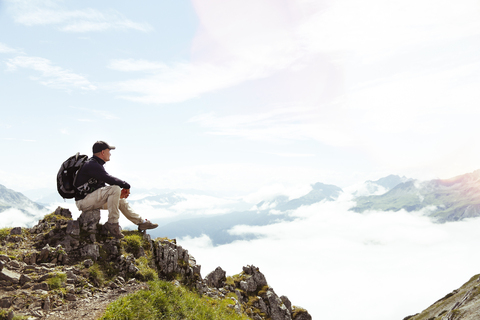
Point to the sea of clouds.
(343, 265)
(336, 263)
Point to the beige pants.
(109, 198)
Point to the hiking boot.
(114, 229)
(146, 225)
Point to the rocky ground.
(72, 269)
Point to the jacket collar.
(99, 160)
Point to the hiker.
(93, 193)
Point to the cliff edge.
(62, 265)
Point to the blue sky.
(235, 96)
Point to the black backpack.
(68, 174)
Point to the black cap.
(101, 145)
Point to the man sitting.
(93, 193)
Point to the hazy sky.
(233, 96)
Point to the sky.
(234, 96)
(254, 98)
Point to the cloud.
(49, 12)
(6, 49)
(16, 218)
(97, 113)
(389, 262)
(50, 75)
(181, 81)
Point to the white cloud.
(6, 49)
(389, 262)
(16, 218)
(49, 12)
(50, 75)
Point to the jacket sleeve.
(98, 172)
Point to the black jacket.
(93, 168)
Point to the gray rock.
(90, 250)
(63, 212)
(73, 228)
(88, 263)
(6, 302)
(278, 311)
(16, 231)
(303, 316)
(46, 304)
(216, 278)
(10, 276)
(41, 286)
(70, 297)
(89, 219)
(24, 279)
(287, 303)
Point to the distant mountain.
(445, 200)
(217, 227)
(11, 199)
(319, 192)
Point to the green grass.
(4, 232)
(57, 281)
(164, 300)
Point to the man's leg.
(129, 213)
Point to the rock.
(10, 276)
(70, 297)
(278, 311)
(41, 286)
(73, 228)
(63, 212)
(1, 265)
(88, 263)
(4, 258)
(6, 302)
(303, 315)
(90, 250)
(24, 279)
(89, 220)
(216, 278)
(46, 304)
(287, 303)
(16, 231)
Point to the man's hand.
(125, 193)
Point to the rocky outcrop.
(61, 261)
(462, 303)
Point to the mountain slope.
(12, 199)
(463, 303)
(445, 200)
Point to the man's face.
(106, 155)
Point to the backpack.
(68, 174)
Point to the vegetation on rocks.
(62, 264)
(164, 300)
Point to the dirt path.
(92, 308)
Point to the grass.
(146, 272)
(4, 232)
(52, 217)
(57, 281)
(164, 300)
(95, 273)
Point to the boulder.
(16, 231)
(63, 212)
(216, 278)
(10, 276)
